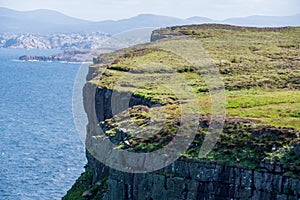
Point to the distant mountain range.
(49, 22)
(47, 29)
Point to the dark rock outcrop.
(200, 180)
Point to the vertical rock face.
(184, 179)
(196, 180)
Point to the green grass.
(280, 108)
(249, 59)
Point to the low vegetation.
(84, 189)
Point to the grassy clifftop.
(260, 69)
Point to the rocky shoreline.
(66, 56)
(77, 56)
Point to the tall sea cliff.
(256, 155)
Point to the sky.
(98, 10)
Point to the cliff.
(255, 156)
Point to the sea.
(41, 154)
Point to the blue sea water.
(41, 155)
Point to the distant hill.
(38, 21)
(199, 20)
(260, 21)
(48, 22)
(140, 21)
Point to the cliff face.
(185, 178)
(198, 180)
(248, 162)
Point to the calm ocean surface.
(41, 155)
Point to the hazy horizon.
(98, 10)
